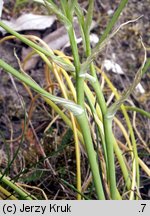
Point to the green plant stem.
(129, 125)
(136, 109)
(123, 166)
(7, 194)
(96, 86)
(133, 143)
(100, 97)
(101, 135)
(70, 30)
(18, 190)
(79, 80)
(110, 155)
(107, 123)
(85, 29)
(82, 119)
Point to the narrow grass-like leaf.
(138, 110)
(146, 66)
(89, 16)
(76, 109)
(113, 21)
(115, 106)
(58, 60)
(16, 188)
